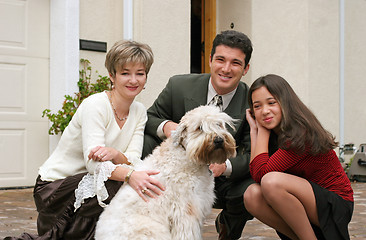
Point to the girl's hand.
(103, 154)
(146, 186)
(251, 121)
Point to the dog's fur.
(200, 139)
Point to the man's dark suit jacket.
(185, 92)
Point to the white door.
(24, 89)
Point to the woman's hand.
(145, 185)
(103, 154)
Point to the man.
(229, 61)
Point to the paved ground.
(18, 214)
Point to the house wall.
(300, 40)
(100, 21)
(355, 72)
(165, 26)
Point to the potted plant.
(61, 119)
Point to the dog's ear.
(177, 135)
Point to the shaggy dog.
(200, 139)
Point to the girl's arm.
(259, 136)
(253, 132)
(262, 140)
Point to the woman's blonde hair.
(125, 52)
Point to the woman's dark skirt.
(55, 206)
(334, 215)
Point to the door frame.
(208, 31)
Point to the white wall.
(100, 21)
(165, 26)
(296, 39)
(64, 55)
(324, 63)
(238, 13)
(300, 40)
(355, 72)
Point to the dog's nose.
(218, 141)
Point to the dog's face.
(202, 132)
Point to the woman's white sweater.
(94, 125)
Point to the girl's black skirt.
(334, 215)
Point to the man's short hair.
(234, 39)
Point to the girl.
(302, 190)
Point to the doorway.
(203, 31)
(24, 92)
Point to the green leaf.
(62, 118)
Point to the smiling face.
(129, 80)
(267, 110)
(227, 67)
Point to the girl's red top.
(322, 169)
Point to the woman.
(302, 190)
(97, 152)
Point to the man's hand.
(169, 127)
(217, 169)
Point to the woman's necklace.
(114, 109)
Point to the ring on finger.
(100, 155)
(143, 191)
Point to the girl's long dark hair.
(300, 129)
